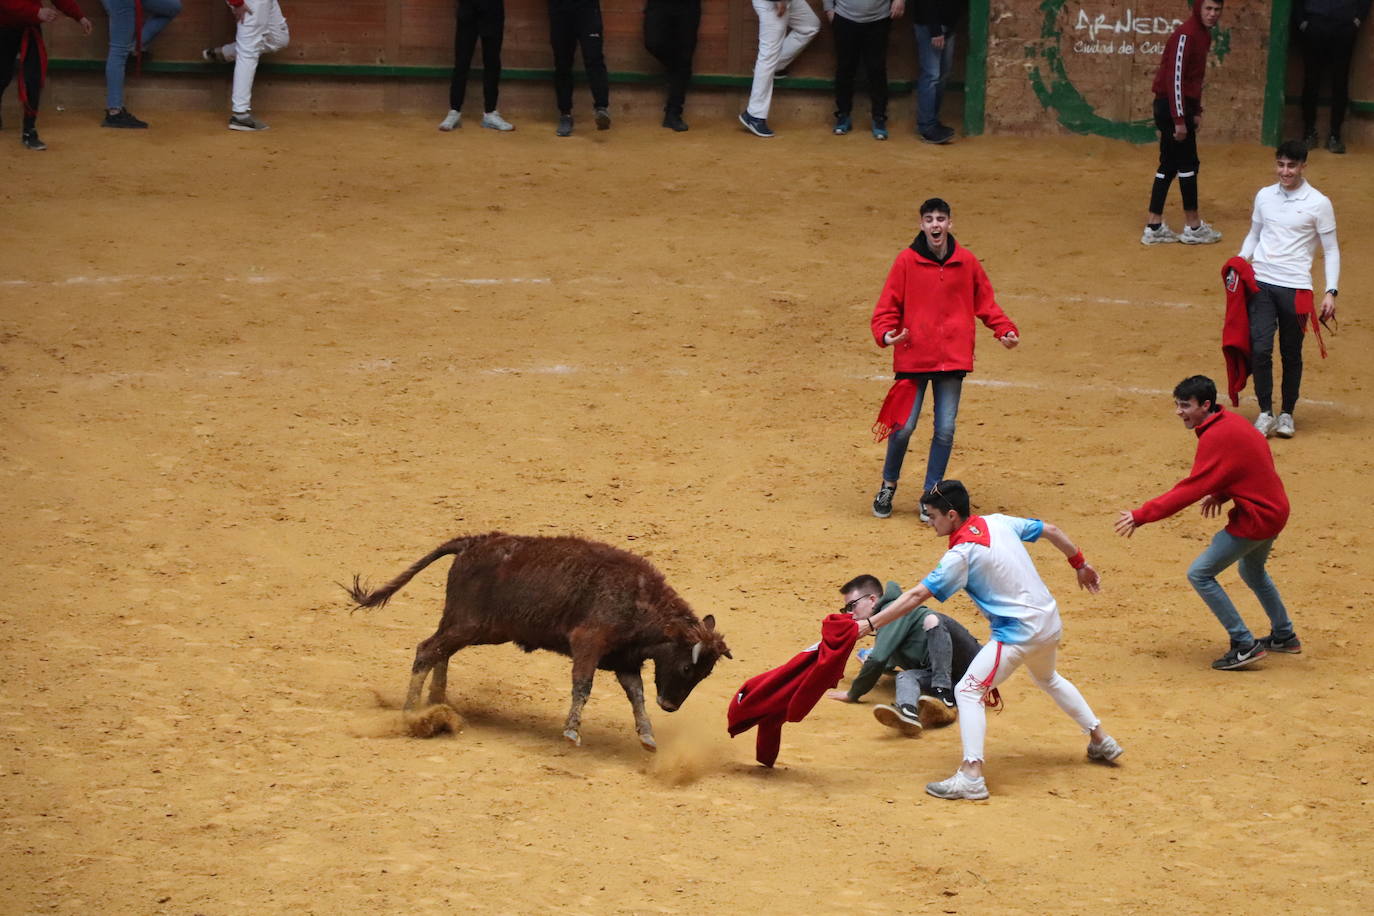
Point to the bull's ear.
(727, 654)
(709, 622)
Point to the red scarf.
(896, 409)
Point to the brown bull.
(602, 606)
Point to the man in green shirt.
(928, 650)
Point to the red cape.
(787, 693)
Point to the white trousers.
(1038, 657)
(260, 32)
(781, 39)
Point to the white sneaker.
(1107, 751)
(1285, 428)
(1202, 235)
(959, 786)
(452, 120)
(1265, 423)
(494, 120)
(1159, 236)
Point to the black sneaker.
(903, 718)
(943, 694)
(30, 140)
(939, 136)
(1240, 657)
(603, 118)
(673, 121)
(123, 119)
(1287, 644)
(565, 124)
(1334, 145)
(882, 503)
(1311, 140)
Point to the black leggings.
(670, 35)
(484, 19)
(574, 23)
(866, 41)
(1326, 46)
(1275, 307)
(10, 40)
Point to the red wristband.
(1077, 561)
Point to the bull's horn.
(696, 652)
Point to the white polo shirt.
(1284, 230)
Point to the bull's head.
(681, 665)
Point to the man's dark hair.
(1292, 149)
(1197, 388)
(946, 495)
(866, 582)
(935, 205)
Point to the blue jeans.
(156, 15)
(1250, 557)
(930, 83)
(947, 390)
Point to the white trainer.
(1107, 751)
(959, 786)
(1284, 429)
(493, 120)
(1265, 423)
(1160, 236)
(452, 121)
(1202, 235)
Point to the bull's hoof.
(648, 743)
(573, 737)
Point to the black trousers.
(1275, 307)
(484, 19)
(574, 24)
(856, 41)
(1175, 156)
(670, 35)
(10, 39)
(1327, 46)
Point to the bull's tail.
(379, 597)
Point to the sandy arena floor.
(239, 369)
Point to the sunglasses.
(934, 492)
(849, 608)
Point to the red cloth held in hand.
(790, 691)
(1239, 279)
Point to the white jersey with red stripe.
(988, 559)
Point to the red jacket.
(1183, 65)
(16, 14)
(1239, 279)
(790, 691)
(937, 303)
(1233, 461)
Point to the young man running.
(1178, 112)
(986, 558)
(1233, 462)
(1288, 220)
(925, 313)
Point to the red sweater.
(1183, 65)
(790, 691)
(1233, 461)
(16, 14)
(938, 304)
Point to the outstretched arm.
(911, 599)
(1087, 576)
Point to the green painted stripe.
(976, 69)
(1276, 73)
(378, 71)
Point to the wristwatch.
(1332, 292)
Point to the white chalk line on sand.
(1100, 300)
(389, 364)
(260, 278)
